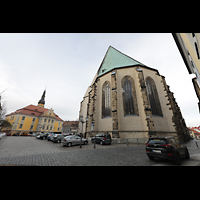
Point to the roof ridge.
(127, 56)
(115, 59)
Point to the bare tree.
(3, 122)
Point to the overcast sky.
(66, 63)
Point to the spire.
(41, 102)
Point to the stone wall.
(177, 118)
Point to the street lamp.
(81, 120)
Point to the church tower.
(41, 102)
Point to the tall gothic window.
(129, 96)
(106, 108)
(153, 97)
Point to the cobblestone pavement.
(31, 151)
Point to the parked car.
(2, 134)
(38, 135)
(166, 147)
(73, 140)
(102, 139)
(24, 134)
(43, 136)
(33, 135)
(57, 138)
(15, 134)
(50, 136)
(54, 135)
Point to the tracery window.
(129, 96)
(106, 106)
(153, 97)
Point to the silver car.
(73, 140)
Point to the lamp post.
(81, 120)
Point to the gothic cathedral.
(128, 99)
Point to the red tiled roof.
(70, 123)
(34, 111)
(195, 131)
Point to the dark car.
(57, 138)
(102, 139)
(42, 136)
(50, 136)
(166, 147)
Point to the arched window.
(129, 96)
(106, 108)
(153, 97)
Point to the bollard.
(94, 142)
(197, 144)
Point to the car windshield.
(157, 141)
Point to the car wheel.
(151, 157)
(69, 144)
(85, 142)
(101, 143)
(177, 158)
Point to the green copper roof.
(115, 59)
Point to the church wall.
(135, 123)
(128, 126)
(161, 123)
(128, 123)
(122, 71)
(103, 124)
(83, 112)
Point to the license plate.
(157, 151)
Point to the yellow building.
(189, 47)
(34, 119)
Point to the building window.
(197, 51)
(129, 96)
(153, 97)
(106, 108)
(31, 127)
(23, 118)
(20, 126)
